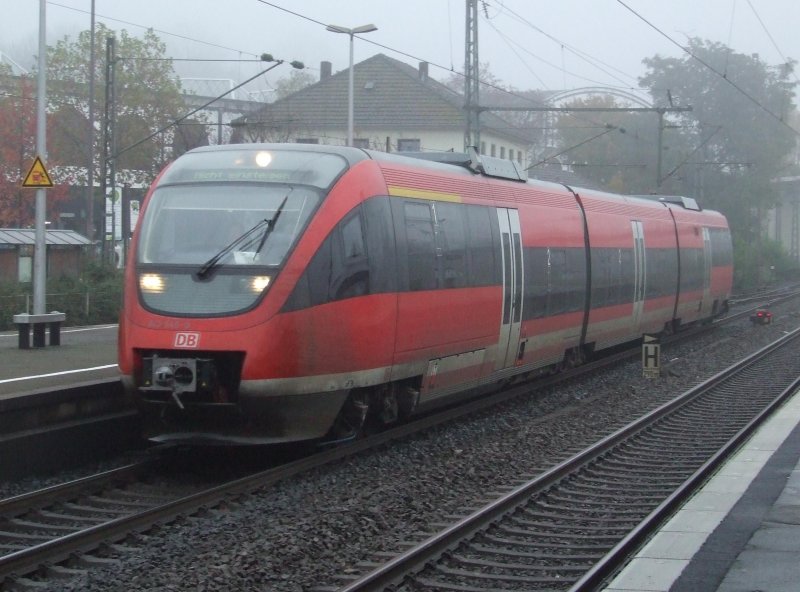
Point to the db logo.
(187, 340)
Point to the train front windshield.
(186, 224)
(207, 200)
(220, 224)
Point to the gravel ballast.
(302, 533)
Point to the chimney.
(325, 69)
(423, 71)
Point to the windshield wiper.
(271, 225)
(209, 265)
(212, 263)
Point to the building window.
(361, 142)
(408, 145)
(483, 147)
(502, 151)
(519, 156)
(510, 154)
(494, 150)
(307, 140)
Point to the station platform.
(85, 354)
(741, 532)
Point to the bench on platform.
(25, 321)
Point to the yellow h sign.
(651, 357)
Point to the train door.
(511, 320)
(639, 273)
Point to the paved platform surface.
(741, 532)
(85, 353)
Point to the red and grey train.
(282, 292)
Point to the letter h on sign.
(651, 357)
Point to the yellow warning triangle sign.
(37, 175)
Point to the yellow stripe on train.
(423, 194)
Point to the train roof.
(470, 163)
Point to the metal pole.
(350, 97)
(90, 161)
(660, 147)
(40, 250)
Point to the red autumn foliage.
(17, 153)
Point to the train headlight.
(259, 283)
(151, 283)
(263, 159)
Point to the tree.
(148, 97)
(297, 80)
(17, 152)
(615, 149)
(735, 141)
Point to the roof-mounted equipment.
(488, 166)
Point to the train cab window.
(338, 270)
(349, 267)
(353, 238)
(357, 258)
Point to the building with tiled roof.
(396, 108)
(67, 252)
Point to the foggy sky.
(556, 56)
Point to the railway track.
(78, 523)
(572, 527)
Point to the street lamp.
(362, 29)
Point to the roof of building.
(27, 236)
(388, 94)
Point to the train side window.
(691, 269)
(380, 238)
(452, 243)
(421, 245)
(601, 277)
(557, 282)
(627, 273)
(721, 254)
(482, 248)
(535, 294)
(576, 279)
(662, 272)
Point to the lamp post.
(362, 29)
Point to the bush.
(93, 299)
(756, 268)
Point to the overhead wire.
(161, 31)
(772, 39)
(727, 79)
(583, 56)
(529, 100)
